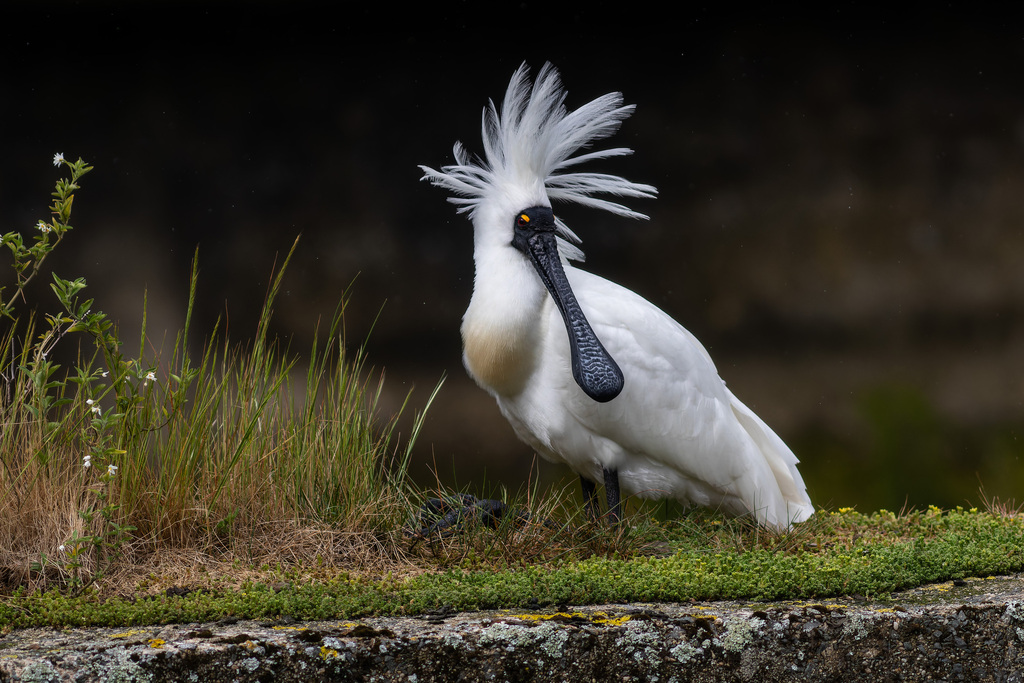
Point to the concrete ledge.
(969, 632)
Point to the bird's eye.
(522, 220)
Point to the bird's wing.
(676, 412)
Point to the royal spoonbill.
(587, 372)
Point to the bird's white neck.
(503, 326)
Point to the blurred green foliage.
(909, 455)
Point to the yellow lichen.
(602, 618)
(126, 634)
(613, 621)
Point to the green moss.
(844, 553)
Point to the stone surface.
(968, 632)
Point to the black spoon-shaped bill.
(593, 368)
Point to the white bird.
(587, 372)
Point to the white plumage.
(648, 410)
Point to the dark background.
(839, 220)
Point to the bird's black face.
(592, 367)
(531, 223)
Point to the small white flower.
(58, 158)
(87, 462)
(93, 406)
(112, 470)
(43, 227)
(150, 377)
(104, 373)
(61, 548)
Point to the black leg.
(611, 490)
(590, 498)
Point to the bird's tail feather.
(795, 505)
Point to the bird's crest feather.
(529, 144)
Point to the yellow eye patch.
(523, 217)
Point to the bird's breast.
(500, 356)
(504, 327)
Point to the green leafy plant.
(48, 420)
(28, 260)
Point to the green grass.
(235, 449)
(120, 459)
(835, 554)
